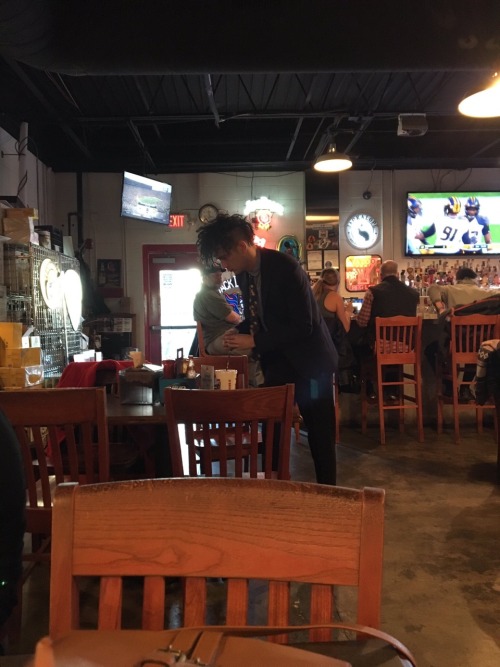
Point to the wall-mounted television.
(452, 223)
(145, 199)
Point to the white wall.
(388, 204)
(122, 238)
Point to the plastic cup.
(227, 378)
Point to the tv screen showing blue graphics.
(146, 199)
(452, 223)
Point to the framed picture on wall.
(330, 259)
(314, 260)
(362, 272)
(290, 245)
(109, 277)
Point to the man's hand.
(234, 341)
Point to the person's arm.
(233, 318)
(436, 295)
(364, 314)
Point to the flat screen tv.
(452, 223)
(145, 199)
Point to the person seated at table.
(337, 316)
(217, 317)
(12, 503)
(390, 298)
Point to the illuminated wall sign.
(177, 220)
(259, 241)
(264, 209)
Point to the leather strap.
(262, 630)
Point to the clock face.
(208, 212)
(362, 231)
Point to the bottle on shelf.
(191, 371)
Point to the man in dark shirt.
(284, 327)
(389, 298)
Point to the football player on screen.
(449, 230)
(472, 215)
(417, 232)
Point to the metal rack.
(25, 303)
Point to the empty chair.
(63, 436)
(237, 426)
(467, 332)
(398, 344)
(242, 530)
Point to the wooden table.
(146, 425)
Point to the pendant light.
(484, 104)
(332, 161)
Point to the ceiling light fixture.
(485, 104)
(332, 161)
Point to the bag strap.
(261, 630)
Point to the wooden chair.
(237, 426)
(273, 531)
(240, 363)
(63, 436)
(398, 343)
(201, 340)
(467, 332)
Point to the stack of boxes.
(20, 364)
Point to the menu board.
(362, 272)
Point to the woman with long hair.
(330, 302)
(337, 316)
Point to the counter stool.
(467, 332)
(398, 343)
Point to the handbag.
(210, 646)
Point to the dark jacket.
(391, 298)
(293, 326)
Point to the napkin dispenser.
(140, 386)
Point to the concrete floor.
(442, 549)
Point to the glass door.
(171, 280)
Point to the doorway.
(171, 280)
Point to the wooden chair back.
(467, 332)
(63, 435)
(241, 530)
(236, 426)
(238, 362)
(201, 340)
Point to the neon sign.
(264, 209)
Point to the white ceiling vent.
(412, 125)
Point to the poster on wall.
(314, 260)
(109, 277)
(362, 272)
(322, 237)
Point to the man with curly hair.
(283, 327)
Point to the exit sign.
(177, 220)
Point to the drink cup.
(227, 378)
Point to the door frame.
(152, 300)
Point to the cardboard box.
(20, 377)
(11, 334)
(20, 230)
(20, 357)
(21, 212)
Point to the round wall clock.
(362, 230)
(207, 213)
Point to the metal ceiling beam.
(140, 143)
(66, 128)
